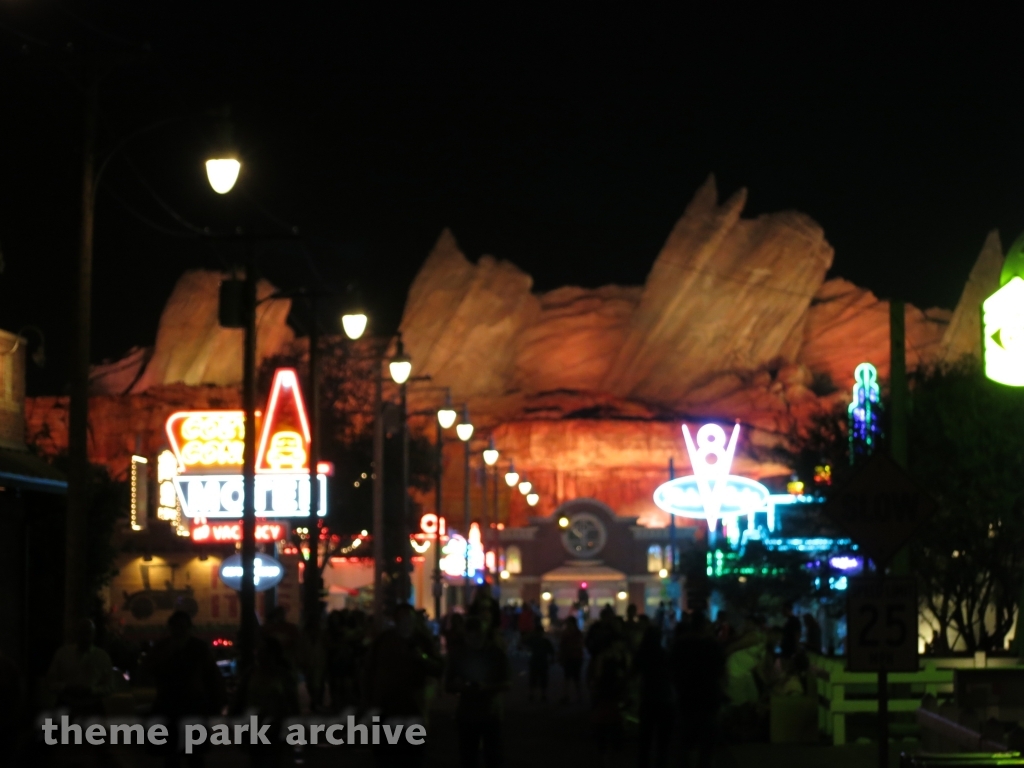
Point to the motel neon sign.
(208, 447)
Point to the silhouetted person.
(397, 667)
(655, 732)
(542, 653)
(188, 683)
(270, 691)
(698, 669)
(570, 656)
(81, 674)
(813, 630)
(790, 633)
(478, 672)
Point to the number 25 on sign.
(881, 622)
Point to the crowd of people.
(656, 675)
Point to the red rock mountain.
(583, 387)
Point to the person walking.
(188, 683)
(655, 712)
(541, 654)
(478, 672)
(698, 671)
(570, 656)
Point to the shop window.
(513, 560)
(654, 561)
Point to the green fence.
(842, 693)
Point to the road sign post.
(881, 636)
(881, 507)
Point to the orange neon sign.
(207, 440)
(214, 441)
(284, 441)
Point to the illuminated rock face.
(583, 388)
(191, 346)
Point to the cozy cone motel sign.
(209, 445)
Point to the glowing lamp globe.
(621, 595)
(222, 174)
(563, 522)
(401, 369)
(532, 499)
(446, 417)
(354, 325)
(663, 573)
(511, 477)
(505, 574)
(525, 487)
(491, 454)
(545, 595)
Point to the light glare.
(222, 174)
(354, 325)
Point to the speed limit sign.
(881, 625)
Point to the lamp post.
(446, 416)
(354, 324)
(491, 456)
(400, 368)
(465, 433)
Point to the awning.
(21, 469)
(583, 572)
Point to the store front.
(585, 555)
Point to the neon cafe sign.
(711, 493)
(209, 445)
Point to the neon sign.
(231, 532)
(284, 441)
(267, 573)
(1002, 318)
(453, 553)
(863, 412)
(207, 439)
(139, 493)
(711, 493)
(208, 447)
(224, 495)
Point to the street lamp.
(400, 365)
(511, 477)
(491, 454)
(525, 487)
(532, 499)
(446, 416)
(353, 318)
(465, 429)
(222, 173)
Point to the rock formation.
(584, 388)
(191, 346)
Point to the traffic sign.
(880, 507)
(881, 625)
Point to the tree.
(966, 449)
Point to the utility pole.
(438, 471)
(467, 515)
(897, 383)
(76, 523)
(405, 548)
(311, 578)
(378, 498)
(247, 597)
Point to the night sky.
(566, 141)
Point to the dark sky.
(567, 141)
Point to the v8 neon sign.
(711, 493)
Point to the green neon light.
(1002, 320)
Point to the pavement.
(536, 735)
